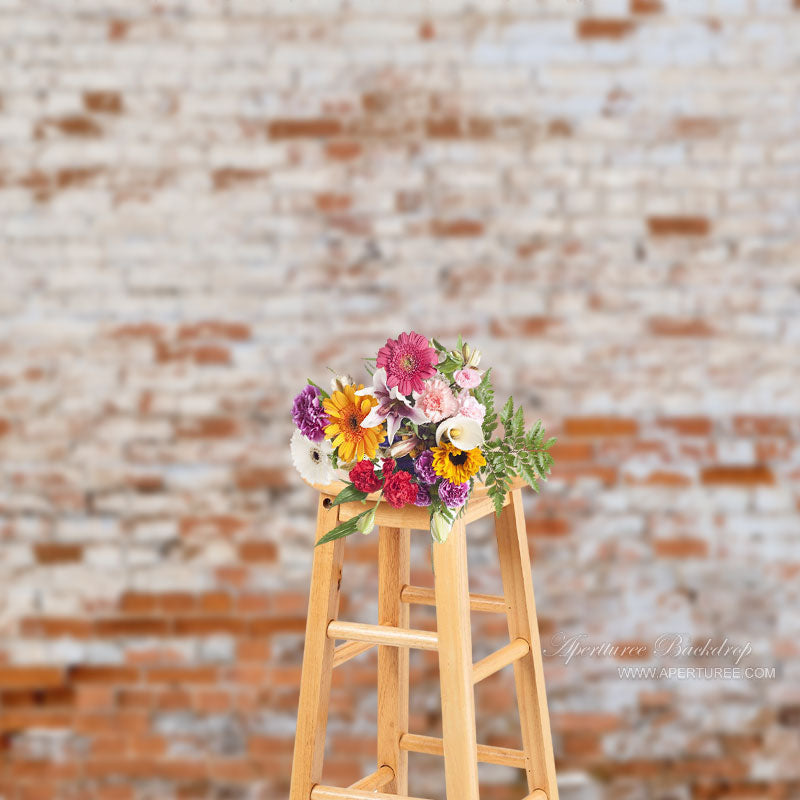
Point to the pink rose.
(437, 400)
(468, 406)
(468, 378)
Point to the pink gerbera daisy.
(408, 361)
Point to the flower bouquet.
(420, 434)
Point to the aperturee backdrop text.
(420, 434)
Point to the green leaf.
(316, 386)
(342, 530)
(348, 495)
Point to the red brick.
(559, 128)
(217, 525)
(427, 31)
(5, 426)
(212, 701)
(331, 203)
(230, 177)
(30, 676)
(737, 475)
(343, 150)
(207, 626)
(209, 428)
(105, 102)
(681, 547)
(103, 673)
(258, 550)
(304, 128)
(596, 722)
(216, 603)
(132, 626)
(515, 327)
(77, 125)
(215, 329)
(604, 28)
(118, 29)
(646, 6)
(142, 330)
(679, 326)
(54, 627)
(696, 127)
(457, 228)
(600, 426)
(177, 602)
(266, 626)
(547, 526)
(250, 478)
(751, 425)
(138, 603)
(661, 477)
(679, 226)
(687, 426)
(57, 553)
(572, 473)
(564, 450)
(75, 176)
(181, 675)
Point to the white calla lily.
(463, 432)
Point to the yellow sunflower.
(457, 466)
(346, 412)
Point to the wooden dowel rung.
(415, 743)
(477, 602)
(320, 792)
(536, 794)
(376, 781)
(383, 634)
(344, 652)
(512, 652)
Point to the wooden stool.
(453, 641)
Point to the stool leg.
(455, 665)
(393, 574)
(315, 683)
(512, 544)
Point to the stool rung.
(344, 652)
(320, 792)
(536, 794)
(383, 634)
(376, 781)
(477, 602)
(512, 652)
(415, 743)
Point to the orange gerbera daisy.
(346, 412)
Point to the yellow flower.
(346, 412)
(457, 466)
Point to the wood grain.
(455, 665)
(315, 680)
(394, 565)
(512, 545)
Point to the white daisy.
(312, 459)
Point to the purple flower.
(454, 495)
(423, 466)
(423, 498)
(308, 414)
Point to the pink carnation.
(467, 378)
(437, 400)
(468, 406)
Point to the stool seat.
(414, 517)
(452, 641)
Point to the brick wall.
(203, 203)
